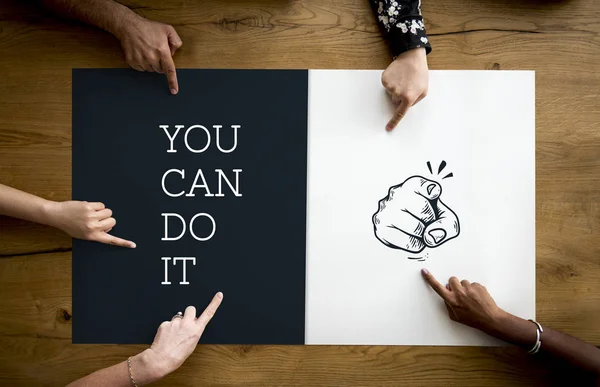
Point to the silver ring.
(178, 315)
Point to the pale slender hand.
(174, 342)
(176, 339)
(150, 46)
(406, 81)
(468, 303)
(83, 220)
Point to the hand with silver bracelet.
(471, 304)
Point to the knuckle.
(384, 80)
(164, 50)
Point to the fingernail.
(388, 128)
(220, 295)
(438, 234)
(430, 188)
(425, 271)
(173, 91)
(433, 190)
(133, 245)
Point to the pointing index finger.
(435, 285)
(113, 240)
(398, 115)
(168, 67)
(210, 311)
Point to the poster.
(474, 137)
(221, 207)
(310, 217)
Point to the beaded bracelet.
(130, 373)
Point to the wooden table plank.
(560, 40)
(27, 361)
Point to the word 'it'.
(185, 260)
(202, 138)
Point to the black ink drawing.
(412, 216)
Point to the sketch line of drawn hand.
(412, 216)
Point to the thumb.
(174, 40)
(442, 230)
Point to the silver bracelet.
(538, 340)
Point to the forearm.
(22, 205)
(143, 371)
(402, 24)
(521, 332)
(105, 14)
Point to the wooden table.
(560, 40)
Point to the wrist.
(418, 52)
(122, 22)
(513, 329)
(500, 324)
(147, 367)
(48, 213)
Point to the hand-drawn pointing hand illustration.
(412, 216)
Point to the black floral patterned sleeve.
(403, 25)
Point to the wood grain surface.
(560, 40)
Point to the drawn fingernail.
(438, 234)
(430, 188)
